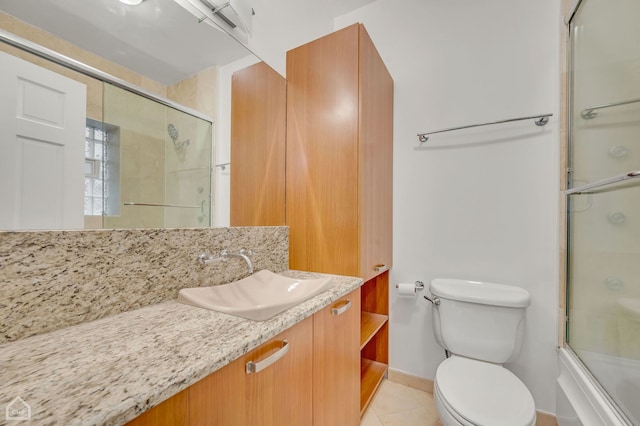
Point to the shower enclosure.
(603, 265)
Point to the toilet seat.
(448, 416)
(484, 394)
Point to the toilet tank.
(479, 320)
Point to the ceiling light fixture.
(131, 2)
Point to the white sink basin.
(257, 297)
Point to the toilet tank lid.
(480, 292)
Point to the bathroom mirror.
(166, 50)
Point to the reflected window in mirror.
(102, 170)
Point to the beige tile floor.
(395, 404)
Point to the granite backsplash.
(54, 279)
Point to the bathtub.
(581, 401)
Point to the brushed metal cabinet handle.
(256, 367)
(380, 267)
(341, 310)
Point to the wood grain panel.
(336, 382)
(375, 294)
(281, 394)
(370, 323)
(258, 131)
(371, 375)
(174, 411)
(322, 154)
(377, 349)
(376, 158)
(218, 399)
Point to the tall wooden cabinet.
(339, 176)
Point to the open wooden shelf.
(374, 336)
(371, 375)
(370, 323)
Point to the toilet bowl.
(481, 325)
(472, 393)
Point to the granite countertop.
(109, 371)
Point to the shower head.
(173, 132)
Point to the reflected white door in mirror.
(42, 125)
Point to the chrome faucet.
(243, 253)
(205, 258)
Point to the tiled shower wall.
(55, 279)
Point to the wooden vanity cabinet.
(277, 395)
(336, 334)
(174, 411)
(339, 176)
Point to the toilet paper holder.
(419, 285)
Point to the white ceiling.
(340, 7)
(158, 38)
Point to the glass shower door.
(603, 267)
(157, 164)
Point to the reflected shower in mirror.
(163, 180)
(161, 49)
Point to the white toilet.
(481, 325)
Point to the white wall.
(479, 204)
(281, 25)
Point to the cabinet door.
(172, 412)
(281, 393)
(376, 160)
(336, 364)
(278, 394)
(322, 154)
(219, 399)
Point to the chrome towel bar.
(585, 189)
(184, 206)
(589, 112)
(541, 120)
